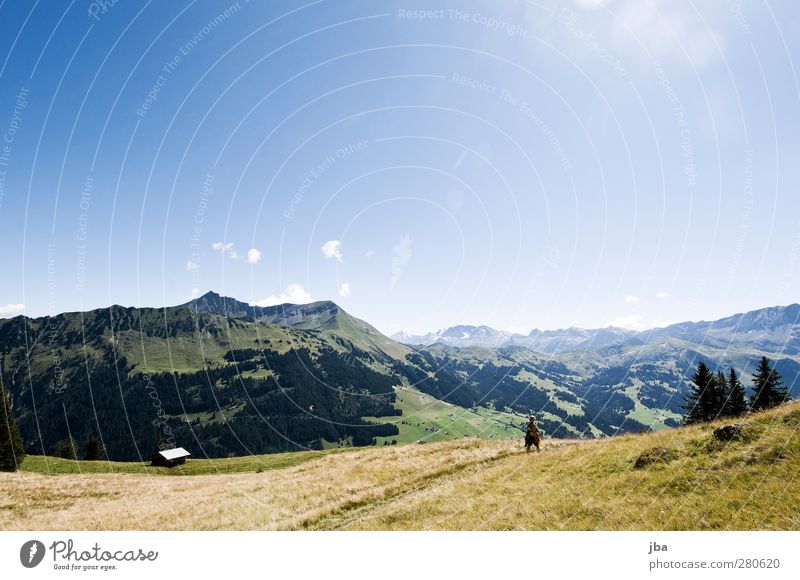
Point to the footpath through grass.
(678, 479)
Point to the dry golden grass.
(469, 484)
(283, 498)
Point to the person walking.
(532, 435)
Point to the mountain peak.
(214, 303)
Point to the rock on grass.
(654, 455)
(731, 432)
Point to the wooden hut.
(169, 457)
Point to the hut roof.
(172, 454)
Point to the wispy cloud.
(344, 289)
(402, 255)
(681, 35)
(663, 295)
(195, 292)
(591, 4)
(669, 31)
(253, 256)
(633, 322)
(293, 294)
(225, 248)
(460, 159)
(332, 249)
(631, 299)
(10, 310)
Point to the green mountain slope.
(135, 378)
(221, 377)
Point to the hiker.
(532, 435)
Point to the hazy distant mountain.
(555, 341)
(550, 341)
(461, 336)
(775, 330)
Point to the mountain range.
(770, 329)
(222, 377)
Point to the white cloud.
(633, 33)
(591, 4)
(192, 266)
(331, 249)
(663, 295)
(344, 289)
(253, 256)
(631, 299)
(224, 248)
(633, 322)
(513, 329)
(293, 294)
(195, 292)
(666, 29)
(10, 310)
(370, 253)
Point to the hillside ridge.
(695, 482)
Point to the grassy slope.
(654, 418)
(185, 352)
(463, 484)
(247, 464)
(428, 419)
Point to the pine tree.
(721, 395)
(768, 388)
(701, 401)
(65, 449)
(735, 405)
(12, 451)
(94, 451)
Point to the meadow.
(694, 482)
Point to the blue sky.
(517, 164)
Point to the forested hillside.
(221, 378)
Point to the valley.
(223, 378)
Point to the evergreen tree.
(701, 401)
(12, 451)
(94, 451)
(65, 449)
(735, 405)
(768, 388)
(721, 394)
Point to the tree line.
(715, 395)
